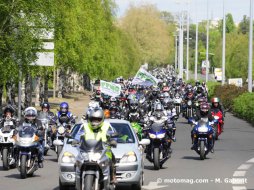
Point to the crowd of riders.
(141, 104)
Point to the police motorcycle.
(45, 120)
(158, 152)
(203, 135)
(7, 144)
(93, 166)
(26, 150)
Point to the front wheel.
(156, 158)
(202, 150)
(5, 155)
(89, 183)
(216, 132)
(23, 172)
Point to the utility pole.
(181, 47)
(250, 48)
(176, 53)
(187, 49)
(223, 45)
(196, 54)
(207, 43)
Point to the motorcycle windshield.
(26, 132)
(157, 127)
(91, 145)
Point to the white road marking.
(239, 173)
(251, 160)
(244, 167)
(239, 188)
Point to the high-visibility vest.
(101, 135)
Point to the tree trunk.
(46, 87)
(1, 96)
(37, 91)
(10, 89)
(28, 91)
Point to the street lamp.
(250, 49)
(187, 49)
(223, 45)
(207, 43)
(196, 54)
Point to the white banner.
(236, 81)
(110, 88)
(144, 78)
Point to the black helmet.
(45, 105)
(9, 109)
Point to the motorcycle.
(93, 167)
(61, 131)
(189, 111)
(203, 137)
(44, 118)
(26, 152)
(177, 102)
(218, 123)
(158, 150)
(7, 145)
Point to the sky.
(197, 8)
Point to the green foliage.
(228, 93)
(230, 25)
(211, 88)
(145, 26)
(243, 106)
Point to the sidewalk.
(77, 104)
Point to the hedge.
(227, 93)
(243, 107)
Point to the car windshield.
(125, 134)
(76, 133)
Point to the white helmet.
(30, 114)
(93, 104)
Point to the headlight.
(216, 117)
(25, 140)
(91, 156)
(160, 136)
(94, 156)
(68, 158)
(61, 130)
(152, 136)
(189, 103)
(203, 129)
(129, 157)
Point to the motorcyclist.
(216, 107)
(170, 111)
(97, 128)
(30, 115)
(64, 115)
(45, 107)
(204, 112)
(8, 115)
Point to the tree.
(244, 25)
(145, 26)
(230, 25)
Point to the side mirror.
(145, 142)
(113, 143)
(75, 142)
(68, 136)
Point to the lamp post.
(187, 48)
(196, 54)
(176, 53)
(250, 49)
(207, 43)
(223, 45)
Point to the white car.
(128, 154)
